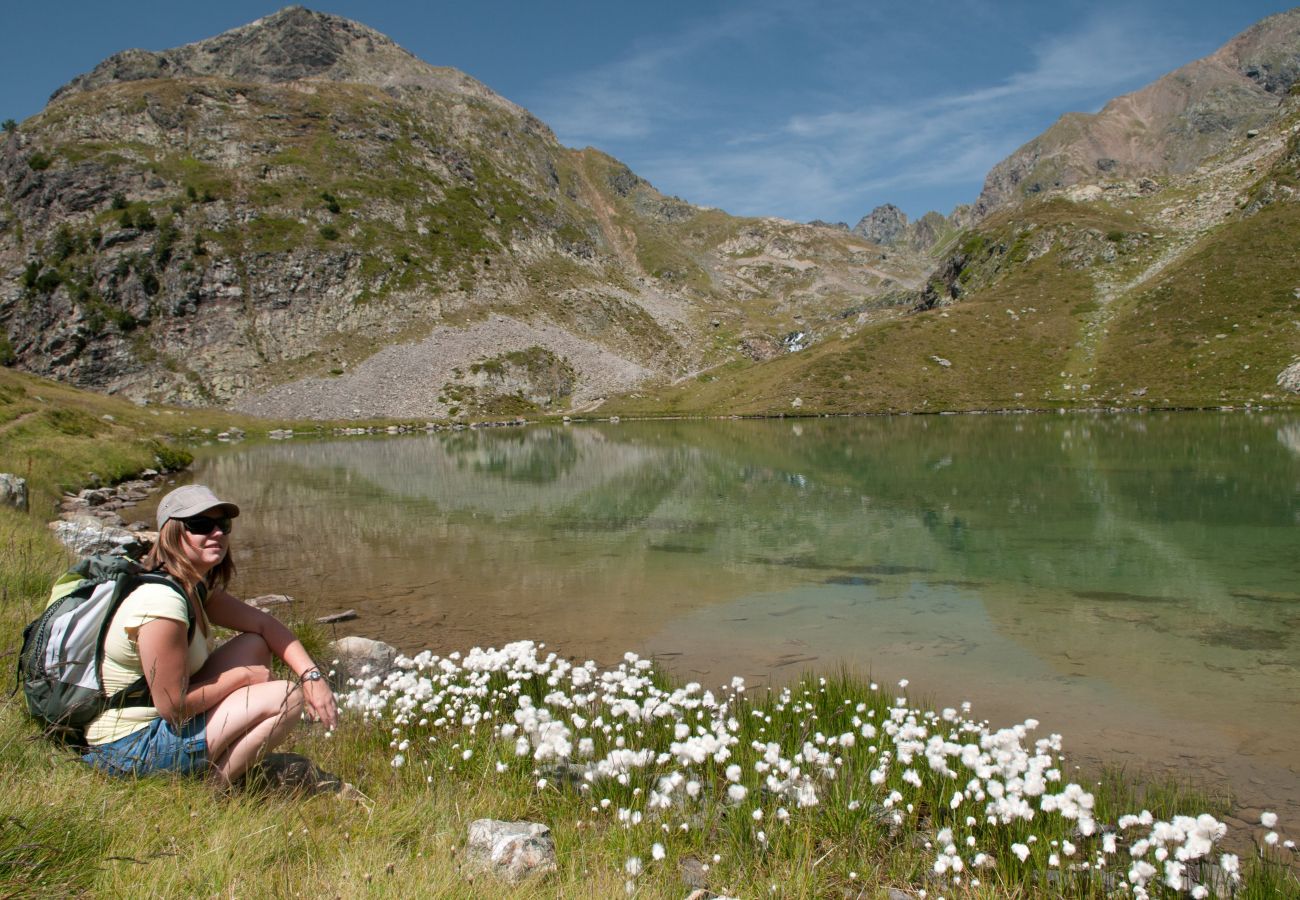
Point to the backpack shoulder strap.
(137, 692)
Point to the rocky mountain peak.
(293, 44)
(886, 224)
(1166, 128)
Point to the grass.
(66, 830)
(1220, 327)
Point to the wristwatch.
(312, 675)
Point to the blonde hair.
(168, 554)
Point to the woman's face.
(205, 551)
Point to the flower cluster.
(668, 759)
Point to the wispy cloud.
(645, 91)
(817, 156)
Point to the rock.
(1289, 378)
(268, 600)
(292, 773)
(13, 491)
(896, 894)
(345, 616)
(87, 535)
(355, 653)
(703, 894)
(511, 851)
(885, 225)
(941, 361)
(693, 873)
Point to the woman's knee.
(253, 649)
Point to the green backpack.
(61, 663)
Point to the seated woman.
(214, 710)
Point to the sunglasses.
(206, 524)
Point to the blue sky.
(814, 109)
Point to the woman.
(213, 710)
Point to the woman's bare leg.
(248, 723)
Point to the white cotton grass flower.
(633, 866)
(657, 851)
(1268, 819)
(671, 754)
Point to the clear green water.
(1132, 581)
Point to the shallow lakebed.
(1133, 581)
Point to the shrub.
(10, 126)
(7, 355)
(329, 232)
(48, 280)
(39, 162)
(118, 202)
(145, 221)
(169, 458)
(331, 202)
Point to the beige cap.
(190, 500)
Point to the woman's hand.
(321, 705)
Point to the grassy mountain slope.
(1185, 293)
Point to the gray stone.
(13, 491)
(87, 535)
(511, 851)
(355, 653)
(269, 600)
(1289, 378)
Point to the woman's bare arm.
(164, 652)
(228, 611)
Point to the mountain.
(889, 226)
(1167, 276)
(298, 217)
(1167, 128)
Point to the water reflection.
(1130, 580)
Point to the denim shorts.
(155, 748)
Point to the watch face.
(313, 675)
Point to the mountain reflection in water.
(1132, 581)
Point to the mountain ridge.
(218, 222)
(1168, 127)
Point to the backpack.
(61, 663)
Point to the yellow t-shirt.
(122, 657)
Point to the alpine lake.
(1130, 580)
